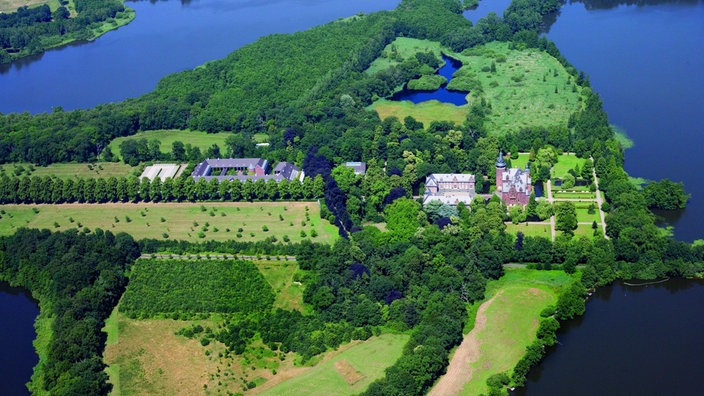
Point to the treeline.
(302, 250)
(78, 279)
(32, 30)
(183, 289)
(48, 189)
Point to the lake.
(165, 37)
(17, 312)
(646, 62)
(442, 94)
(631, 341)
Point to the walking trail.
(459, 372)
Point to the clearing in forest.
(220, 221)
(167, 137)
(506, 323)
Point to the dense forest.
(78, 279)
(32, 30)
(419, 274)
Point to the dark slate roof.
(287, 170)
(204, 168)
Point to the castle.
(512, 185)
(449, 188)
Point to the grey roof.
(204, 168)
(516, 178)
(287, 170)
(359, 167)
(242, 178)
(448, 178)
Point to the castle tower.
(500, 167)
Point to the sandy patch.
(348, 372)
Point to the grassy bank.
(511, 321)
(243, 221)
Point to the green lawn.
(587, 230)
(511, 321)
(558, 194)
(565, 162)
(425, 112)
(366, 362)
(521, 161)
(584, 216)
(183, 221)
(70, 170)
(542, 230)
(199, 139)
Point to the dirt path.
(459, 372)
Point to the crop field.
(532, 229)
(565, 162)
(509, 322)
(529, 88)
(166, 137)
(347, 373)
(70, 170)
(242, 221)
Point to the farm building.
(244, 168)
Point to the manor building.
(513, 185)
(449, 188)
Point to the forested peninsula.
(418, 273)
(31, 30)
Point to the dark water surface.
(442, 94)
(485, 7)
(646, 62)
(165, 37)
(17, 313)
(631, 341)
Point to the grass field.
(583, 215)
(542, 230)
(528, 89)
(199, 139)
(425, 112)
(521, 161)
(511, 321)
(182, 221)
(587, 230)
(280, 275)
(70, 170)
(347, 373)
(402, 48)
(565, 162)
(565, 194)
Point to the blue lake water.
(17, 314)
(165, 37)
(442, 94)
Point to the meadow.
(346, 373)
(166, 137)
(510, 321)
(242, 221)
(525, 88)
(70, 170)
(565, 163)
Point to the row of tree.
(49, 189)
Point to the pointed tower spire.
(500, 161)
